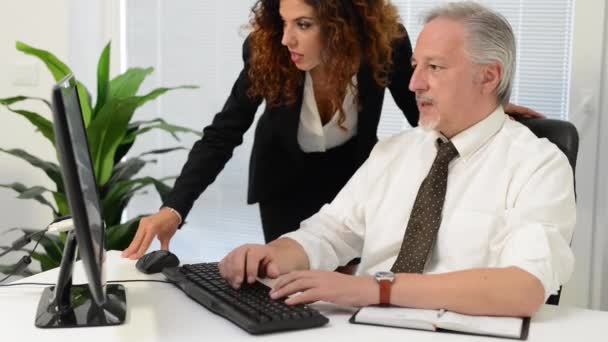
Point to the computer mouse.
(154, 262)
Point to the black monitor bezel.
(64, 124)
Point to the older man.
(481, 227)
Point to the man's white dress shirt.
(313, 136)
(509, 202)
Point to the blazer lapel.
(371, 97)
(288, 118)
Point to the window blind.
(543, 30)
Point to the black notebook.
(443, 321)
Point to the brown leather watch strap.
(385, 292)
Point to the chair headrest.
(561, 133)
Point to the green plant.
(111, 134)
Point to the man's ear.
(491, 75)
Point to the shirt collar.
(471, 139)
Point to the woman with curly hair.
(322, 68)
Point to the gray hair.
(489, 38)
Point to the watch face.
(384, 275)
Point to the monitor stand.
(69, 306)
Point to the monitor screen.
(67, 305)
(81, 187)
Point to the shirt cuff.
(542, 252)
(177, 214)
(318, 258)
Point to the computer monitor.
(95, 303)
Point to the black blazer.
(276, 157)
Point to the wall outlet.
(589, 106)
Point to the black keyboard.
(250, 307)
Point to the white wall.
(75, 31)
(41, 24)
(92, 24)
(587, 62)
(600, 293)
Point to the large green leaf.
(162, 189)
(121, 152)
(46, 262)
(163, 150)
(135, 129)
(106, 131)
(57, 68)
(62, 203)
(125, 189)
(117, 198)
(127, 169)
(103, 78)
(125, 146)
(85, 103)
(30, 193)
(51, 169)
(33, 192)
(9, 269)
(142, 127)
(52, 244)
(121, 193)
(11, 100)
(44, 125)
(127, 84)
(123, 171)
(118, 237)
(160, 91)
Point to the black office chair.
(565, 136)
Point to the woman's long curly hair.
(353, 32)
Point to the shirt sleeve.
(540, 223)
(334, 236)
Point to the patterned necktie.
(425, 218)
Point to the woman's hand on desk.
(334, 287)
(162, 225)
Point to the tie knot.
(446, 151)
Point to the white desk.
(162, 312)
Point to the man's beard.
(428, 122)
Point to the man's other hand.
(334, 287)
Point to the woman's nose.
(288, 37)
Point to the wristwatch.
(385, 280)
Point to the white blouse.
(312, 135)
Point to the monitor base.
(82, 310)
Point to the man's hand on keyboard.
(326, 286)
(247, 262)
